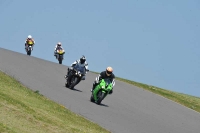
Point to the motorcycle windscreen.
(108, 84)
(80, 68)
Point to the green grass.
(25, 111)
(189, 101)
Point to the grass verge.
(189, 101)
(25, 111)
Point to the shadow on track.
(104, 105)
(74, 89)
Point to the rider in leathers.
(29, 39)
(107, 74)
(58, 45)
(81, 62)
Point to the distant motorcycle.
(75, 76)
(29, 48)
(60, 52)
(101, 91)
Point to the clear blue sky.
(149, 41)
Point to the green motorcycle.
(101, 91)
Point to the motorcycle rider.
(81, 62)
(58, 46)
(107, 74)
(29, 40)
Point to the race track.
(128, 110)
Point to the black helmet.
(82, 59)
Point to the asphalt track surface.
(128, 110)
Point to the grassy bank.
(25, 111)
(186, 100)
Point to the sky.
(153, 42)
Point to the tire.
(60, 59)
(74, 81)
(68, 80)
(66, 85)
(29, 53)
(92, 98)
(101, 97)
(29, 49)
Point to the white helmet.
(59, 44)
(29, 37)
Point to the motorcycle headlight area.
(78, 73)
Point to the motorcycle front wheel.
(60, 60)
(92, 98)
(100, 96)
(29, 52)
(73, 82)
